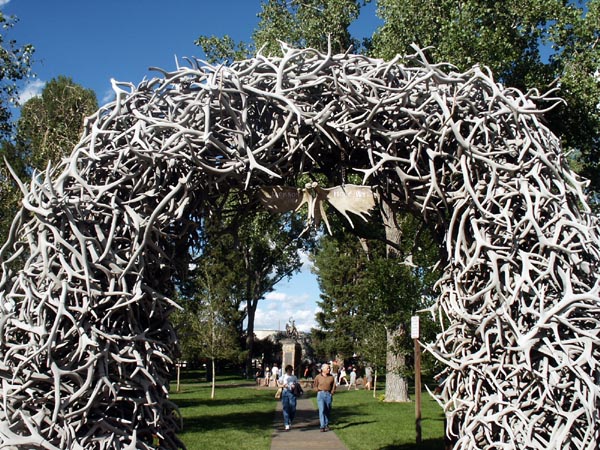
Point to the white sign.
(414, 327)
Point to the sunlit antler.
(87, 348)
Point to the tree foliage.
(223, 49)
(206, 331)
(306, 23)
(542, 44)
(48, 129)
(246, 253)
(298, 23)
(50, 125)
(363, 289)
(15, 65)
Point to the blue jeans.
(288, 402)
(324, 400)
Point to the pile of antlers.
(86, 347)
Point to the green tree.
(51, 125)
(366, 291)
(513, 38)
(306, 23)
(298, 23)
(10, 194)
(223, 49)
(205, 328)
(339, 263)
(48, 129)
(250, 251)
(15, 66)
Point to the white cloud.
(276, 296)
(306, 262)
(32, 89)
(278, 308)
(109, 96)
(4, 3)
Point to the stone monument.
(291, 350)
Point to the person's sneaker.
(287, 428)
(322, 430)
(326, 429)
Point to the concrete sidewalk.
(304, 433)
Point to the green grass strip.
(241, 416)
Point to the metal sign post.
(414, 334)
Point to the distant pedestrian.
(274, 374)
(324, 384)
(343, 376)
(288, 399)
(267, 376)
(258, 376)
(353, 379)
(369, 377)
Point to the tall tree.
(205, 326)
(363, 288)
(340, 263)
(250, 251)
(298, 23)
(527, 44)
(48, 129)
(51, 124)
(15, 65)
(306, 23)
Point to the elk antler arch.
(86, 343)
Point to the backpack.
(297, 390)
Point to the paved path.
(304, 433)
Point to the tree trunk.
(214, 376)
(396, 386)
(251, 310)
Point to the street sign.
(414, 327)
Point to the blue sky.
(94, 41)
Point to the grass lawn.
(243, 417)
(238, 417)
(365, 423)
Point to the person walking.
(324, 384)
(353, 379)
(342, 376)
(288, 399)
(267, 376)
(369, 377)
(274, 374)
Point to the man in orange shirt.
(324, 384)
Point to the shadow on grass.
(429, 444)
(250, 420)
(199, 402)
(342, 424)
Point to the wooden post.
(418, 389)
(179, 365)
(374, 383)
(414, 333)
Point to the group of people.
(324, 383)
(270, 376)
(343, 375)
